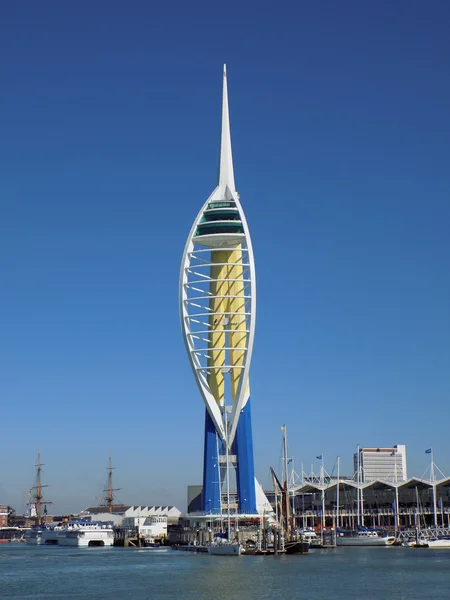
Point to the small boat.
(364, 538)
(419, 541)
(296, 547)
(439, 543)
(224, 548)
(310, 536)
(416, 543)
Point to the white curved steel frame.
(195, 312)
(208, 285)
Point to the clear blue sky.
(109, 135)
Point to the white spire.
(226, 171)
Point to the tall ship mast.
(109, 499)
(37, 495)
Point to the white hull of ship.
(102, 537)
(34, 541)
(42, 538)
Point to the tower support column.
(211, 470)
(243, 448)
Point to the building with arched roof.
(377, 503)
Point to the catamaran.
(86, 533)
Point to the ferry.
(86, 533)
(42, 535)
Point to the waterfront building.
(376, 503)
(154, 528)
(132, 516)
(388, 464)
(217, 311)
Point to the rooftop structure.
(120, 512)
(388, 464)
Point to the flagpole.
(432, 475)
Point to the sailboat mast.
(227, 457)
(337, 491)
(285, 459)
(417, 519)
(358, 521)
(286, 487)
(433, 481)
(397, 518)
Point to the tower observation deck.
(217, 311)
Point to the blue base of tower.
(211, 472)
(243, 448)
(245, 472)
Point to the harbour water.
(54, 573)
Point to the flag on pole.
(289, 460)
(429, 451)
(393, 453)
(319, 457)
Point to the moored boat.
(42, 535)
(364, 538)
(221, 547)
(416, 543)
(439, 543)
(310, 536)
(297, 547)
(86, 533)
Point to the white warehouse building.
(131, 516)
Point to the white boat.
(420, 540)
(439, 543)
(364, 538)
(310, 536)
(221, 547)
(416, 543)
(86, 533)
(43, 536)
